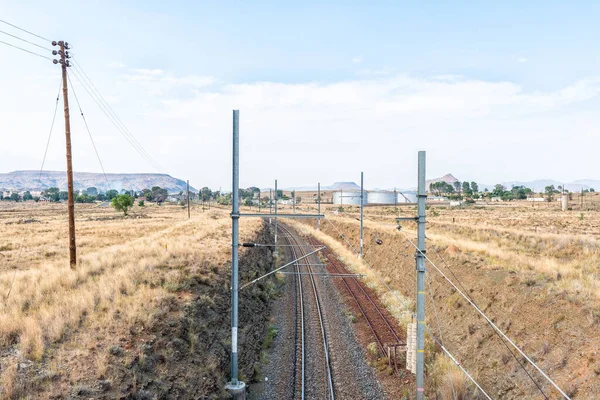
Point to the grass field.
(128, 269)
(534, 270)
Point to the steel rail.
(292, 238)
(369, 321)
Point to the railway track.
(380, 323)
(313, 367)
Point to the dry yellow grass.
(126, 267)
(534, 271)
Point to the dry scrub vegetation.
(534, 271)
(129, 270)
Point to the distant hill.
(448, 178)
(540, 184)
(30, 180)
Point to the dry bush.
(449, 381)
(8, 379)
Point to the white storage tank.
(348, 197)
(382, 197)
(407, 197)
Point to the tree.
(122, 202)
(298, 200)
(111, 194)
(27, 196)
(474, 187)
(279, 194)
(498, 190)
(14, 196)
(457, 186)
(92, 191)
(141, 203)
(549, 190)
(466, 188)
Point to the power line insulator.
(54, 43)
(54, 52)
(55, 61)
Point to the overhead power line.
(429, 332)
(25, 40)
(89, 132)
(25, 50)
(49, 135)
(24, 30)
(468, 299)
(496, 332)
(92, 90)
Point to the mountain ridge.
(34, 181)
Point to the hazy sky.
(493, 92)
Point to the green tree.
(466, 188)
(474, 187)
(498, 190)
(122, 202)
(111, 194)
(92, 191)
(27, 196)
(549, 190)
(457, 186)
(14, 196)
(141, 203)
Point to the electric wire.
(486, 317)
(497, 334)
(89, 132)
(121, 130)
(25, 50)
(125, 130)
(49, 135)
(24, 30)
(26, 41)
(437, 320)
(401, 301)
(40, 181)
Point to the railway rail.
(380, 323)
(315, 376)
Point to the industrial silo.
(347, 197)
(381, 197)
(407, 197)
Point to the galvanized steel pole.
(319, 205)
(361, 214)
(236, 388)
(275, 252)
(420, 261)
(188, 198)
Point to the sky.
(492, 91)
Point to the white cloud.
(479, 130)
(368, 123)
(159, 82)
(357, 60)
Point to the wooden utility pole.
(188, 198)
(64, 62)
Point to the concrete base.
(237, 392)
